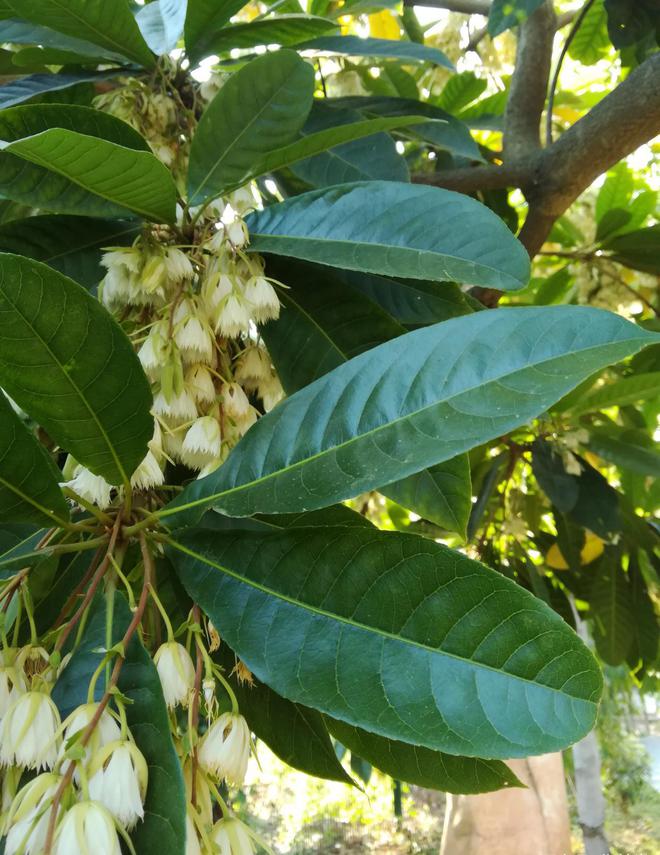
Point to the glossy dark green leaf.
(373, 157)
(441, 494)
(412, 302)
(611, 606)
(23, 553)
(395, 633)
(296, 734)
(637, 249)
(627, 448)
(109, 25)
(505, 14)
(281, 30)
(133, 180)
(597, 505)
(203, 20)
(163, 827)
(320, 142)
(443, 131)
(42, 188)
(72, 245)
(646, 628)
(29, 491)
(96, 407)
(410, 403)
(20, 32)
(395, 229)
(260, 108)
(323, 325)
(161, 24)
(423, 767)
(19, 90)
(560, 486)
(381, 48)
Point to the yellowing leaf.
(568, 114)
(592, 549)
(384, 25)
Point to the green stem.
(163, 613)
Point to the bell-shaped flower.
(27, 824)
(29, 735)
(232, 317)
(225, 748)
(148, 474)
(87, 829)
(118, 778)
(199, 383)
(176, 671)
(106, 730)
(92, 488)
(203, 442)
(262, 297)
(232, 837)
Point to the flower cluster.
(91, 778)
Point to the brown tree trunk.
(515, 821)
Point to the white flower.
(271, 392)
(194, 339)
(178, 265)
(30, 732)
(192, 840)
(225, 748)
(12, 684)
(87, 829)
(218, 242)
(179, 406)
(262, 298)
(203, 441)
(244, 423)
(117, 287)
(148, 474)
(243, 200)
(118, 778)
(253, 364)
(154, 274)
(92, 488)
(176, 671)
(105, 732)
(232, 837)
(234, 400)
(129, 258)
(216, 287)
(27, 823)
(233, 317)
(153, 353)
(200, 384)
(237, 233)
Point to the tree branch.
(468, 7)
(473, 179)
(529, 84)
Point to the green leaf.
(441, 494)
(422, 767)
(637, 249)
(260, 108)
(395, 229)
(72, 245)
(629, 390)
(21, 32)
(29, 491)
(505, 14)
(283, 30)
(611, 607)
(411, 301)
(109, 25)
(16, 91)
(163, 828)
(591, 41)
(373, 157)
(133, 180)
(296, 734)
(461, 90)
(562, 488)
(97, 408)
(203, 20)
(316, 143)
(616, 191)
(324, 326)
(410, 403)
(627, 448)
(395, 633)
(443, 131)
(382, 48)
(161, 24)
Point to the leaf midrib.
(377, 631)
(50, 514)
(71, 381)
(209, 500)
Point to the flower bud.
(30, 732)
(87, 829)
(27, 823)
(118, 778)
(225, 748)
(176, 671)
(232, 837)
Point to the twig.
(194, 714)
